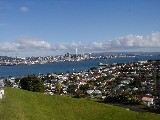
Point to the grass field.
(23, 105)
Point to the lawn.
(18, 104)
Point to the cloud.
(130, 43)
(32, 43)
(24, 9)
(25, 44)
(9, 47)
(71, 47)
(99, 46)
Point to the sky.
(55, 27)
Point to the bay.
(63, 67)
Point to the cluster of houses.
(139, 79)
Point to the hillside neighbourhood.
(127, 83)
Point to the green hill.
(24, 105)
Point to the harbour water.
(63, 67)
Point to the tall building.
(76, 52)
(89, 56)
(67, 55)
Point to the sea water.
(63, 67)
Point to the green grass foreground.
(24, 105)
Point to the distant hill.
(24, 105)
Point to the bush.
(32, 83)
(122, 99)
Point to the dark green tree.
(72, 89)
(32, 83)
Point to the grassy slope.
(23, 105)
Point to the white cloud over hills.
(33, 44)
(137, 41)
(130, 43)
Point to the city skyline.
(52, 27)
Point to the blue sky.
(50, 27)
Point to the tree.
(59, 88)
(72, 88)
(8, 83)
(32, 83)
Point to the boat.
(103, 64)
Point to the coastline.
(66, 66)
